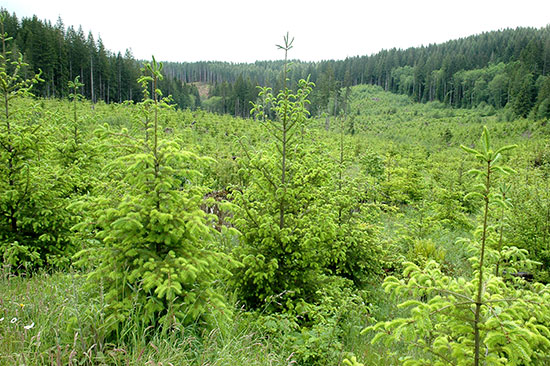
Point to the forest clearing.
(307, 223)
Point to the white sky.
(247, 30)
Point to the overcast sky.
(247, 30)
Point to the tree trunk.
(92, 79)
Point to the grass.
(53, 319)
(66, 330)
(40, 302)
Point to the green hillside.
(379, 231)
(505, 68)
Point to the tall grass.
(49, 319)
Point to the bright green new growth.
(282, 215)
(34, 222)
(157, 247)
(483, 320)
(302, 225)
(75, 96)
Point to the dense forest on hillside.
(392, 233)
(64, 53)
(508, 67)
(499, 68)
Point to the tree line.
(498, 68)
(495, 69)
(64, 53)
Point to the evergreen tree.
(279, 211)
(34, 221)
(157, 249)
(522, 94)
(542, 107)
(471, 321)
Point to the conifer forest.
(390, 209)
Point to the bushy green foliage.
(281, 214)
(34, 223)
(438, 331)
(107, 182)
(462, 321)
(301, 216)
(355, 252)
(527, 221)
(156, 249)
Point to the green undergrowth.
(409, 181)
(52, 319)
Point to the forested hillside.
(377, 230)
(502, 68)
(506, 67)
(64, 53)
